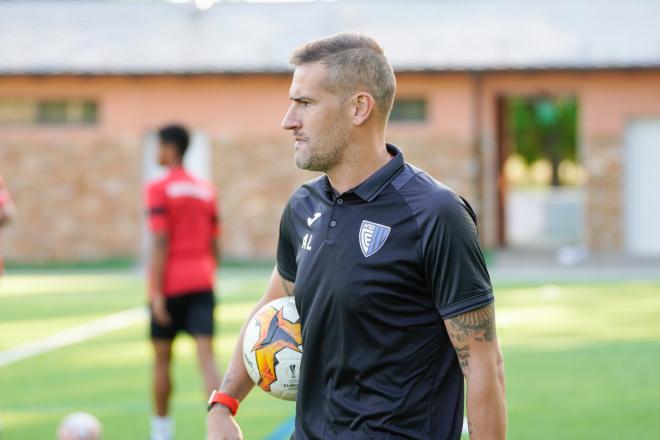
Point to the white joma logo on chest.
(311, 220)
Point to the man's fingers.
(162, 317)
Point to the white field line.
(73, 335)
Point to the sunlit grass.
(581, 359)
(565, 316)
(109, 376)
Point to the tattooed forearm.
(463, 353)
(478, 323)
(474, 338)
(287, 286)
(474, 326)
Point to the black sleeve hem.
(472, 303)
(289, 278)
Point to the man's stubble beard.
(326, 153)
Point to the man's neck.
(361, 162)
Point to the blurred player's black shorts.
(192, 313)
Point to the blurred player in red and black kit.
(183, 219)
(6, 211)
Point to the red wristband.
(225, 400)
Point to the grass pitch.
(581, 359)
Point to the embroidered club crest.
(372, 237)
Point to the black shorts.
(192, 313)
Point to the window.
(52, 112)
(56, 112)
(409, 110)
(17, 112)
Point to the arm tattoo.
(477, 325)
(288, 287)
(226, 381)
(463, 353)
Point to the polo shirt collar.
(374, 184)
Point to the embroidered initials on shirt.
(307, 242)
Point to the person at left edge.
(7, 211)
(184, 224)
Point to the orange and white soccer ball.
(272, 348)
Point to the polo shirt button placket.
(339, 201)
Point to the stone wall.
(80, 199)
(603, 159)
(449, 161)
(255, 179)
(76, 199)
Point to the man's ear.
(363, 106)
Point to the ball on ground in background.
(272, 348)
(79, 426)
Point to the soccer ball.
(272, 348)
(79, 426)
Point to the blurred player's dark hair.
(175, 135)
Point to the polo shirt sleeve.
(287, 265)
(454, 263)
(156, 208)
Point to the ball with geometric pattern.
(272, 348)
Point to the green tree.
(544, 127)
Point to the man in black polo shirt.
(385, 265)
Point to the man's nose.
(290, 122)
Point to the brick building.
(83, 86)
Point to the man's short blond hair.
(354, 62)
